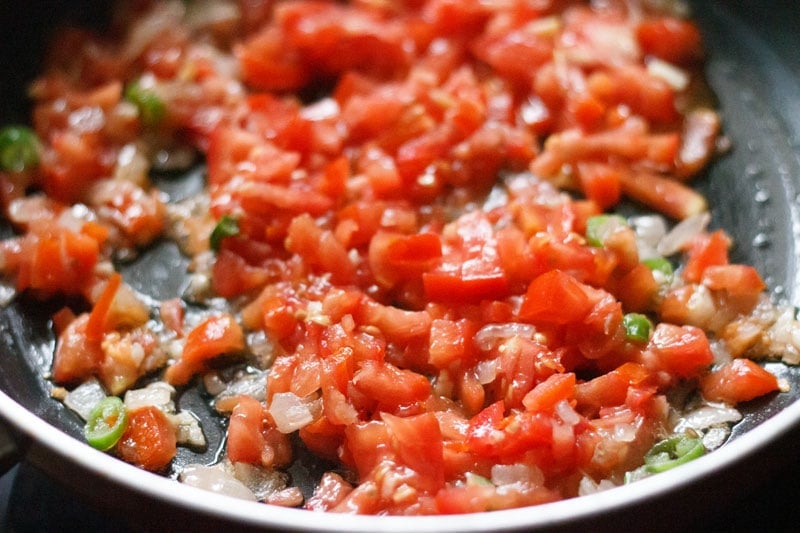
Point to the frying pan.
(754, 70)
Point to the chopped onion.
(163, 17)
(215, 479)
(716, 437)
(252, 384)
(262, 482)
(675, 77)
(187, 429)
(132, 165)
(566, 413)
(516, 473)
(624, 432)
(321, 110)
(202, 14)
(588, 486)
(8, 290)
(290, 412)
(85, 397)
(708, 415)
(649, 230)
(490, 335)
(683, 232)
(486, 371)
(158, 394)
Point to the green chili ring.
(106, 423)
(19, 148)
(672, 452)
(227, 226)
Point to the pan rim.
(571, 512)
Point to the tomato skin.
(216, 336)
(555, 298)
(149, 440)
(739, 380)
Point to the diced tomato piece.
(395, 257)
(245, 441)
(96, 326)
(265, 67)
(681, 350)
(216, 336)
(320, 249)
(706, 250)
(484, 432)
(367, 443)
(417, 441)
(548, 393)
(637, 290)
(465, 283)
(600, 183)
(671, 39)
(555, 298)
(149, 441)
(77, 356)
(389, 385)
(474, 498)
(396, 324)
(733, 279)
(329, 492)
(739, 380)
(451, 342)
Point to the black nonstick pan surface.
(754, 193)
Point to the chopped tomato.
(733, 279)
(681, 350)
(671, 39)
(245, 440)
(149, 440)
(739, 380)
(706, 250)
(390, 386)
(555, 298)
(77, 356)
(218, 335)
(548, 393)
(417, 441)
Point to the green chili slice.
(106, 423)
(599, 227)
(637, 327)
(151, 106)
(19, 148)
(659, 264)
(672, 452)
(227, 226)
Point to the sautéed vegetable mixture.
(408, 257)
